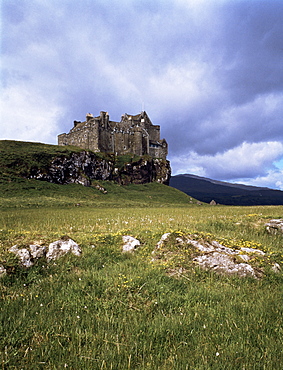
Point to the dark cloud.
(252, 49)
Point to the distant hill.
(206, 190)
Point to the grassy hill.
(16, 158)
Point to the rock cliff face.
(83, 167)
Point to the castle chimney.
(89, 116)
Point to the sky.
(209, 72)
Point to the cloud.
(273, 179)
(247, 160)
(28, 116)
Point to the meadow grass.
(111, 310)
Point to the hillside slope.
(65, 165)
(20, 159)
(206, 190)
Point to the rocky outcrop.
(143, 171)
(27, 256)
(83, 167)
(78, 168)
(213, 256)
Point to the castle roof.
(137, 117)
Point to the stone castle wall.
(132, 135)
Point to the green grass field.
(114, 310)
(111, 310)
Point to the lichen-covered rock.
(2, 271)
(162, 170)
(162, 240)
(37, 251)
(28, 255)
(209, 255)
(23, 254)
(33, 252)
(130, 243)
(61, 247)
(274, 226)
(276, 267)
(224, 263)
(143, 171)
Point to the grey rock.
(274, 226)
(37, 251)
(3, 271)
(244, 257)
(101, 189)
(14, 249)
(276, 267)
(253, 251)
(61, 247)
(33, 252)
(214, 246)
(162, 240)
(23, 254)
(130, 243)
(224, 264)
(221, 259)
(214, 256)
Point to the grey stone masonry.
(132, 135)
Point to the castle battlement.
(134, 134)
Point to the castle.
(132, 135)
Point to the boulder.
(163, 238)
(2, 271)
(61, 247)
(23, 254)
(274, 226)
(276, 267)
(130, 243)
(37, 251)
(33, 252)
